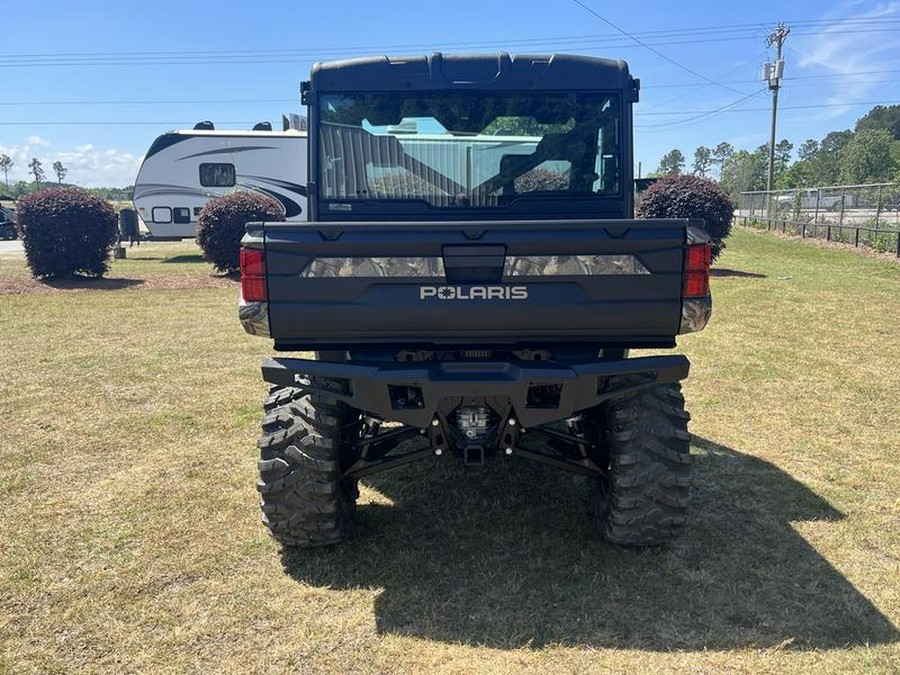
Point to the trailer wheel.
(307, 443)
(643, 442)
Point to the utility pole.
(772, 73)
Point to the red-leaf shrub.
(687, 196)
(539, 179)
(66, 231)
(221, 225)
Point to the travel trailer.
(186, 168)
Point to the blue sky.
(91, 84)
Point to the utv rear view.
(471, 283)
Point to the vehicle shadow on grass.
(723, 272)
(187, 258)
(509, 558)
(91, 283)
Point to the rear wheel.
(643, 443)
(308, 442)
(280, 396)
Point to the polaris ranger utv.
(470, 277)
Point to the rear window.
(459, 149)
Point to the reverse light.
(253, 275)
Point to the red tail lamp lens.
(699, 258)
(696, 271)
(696, 284)
(253, 262)
(253, 275)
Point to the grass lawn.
(130, 539)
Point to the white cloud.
(86, 165)
(37, 141)
(845, 47)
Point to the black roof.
(500, 71)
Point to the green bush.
(690, 197)
(221, 225)
(66, 232)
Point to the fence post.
(856, 238)
(897, 234)
(841, 218)
(816, 217)
(878, 209)
(828, 233)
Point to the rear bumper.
(413, 393)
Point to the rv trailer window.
(162, 214)
(181, 215)
(217, 175)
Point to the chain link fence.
(862, 215)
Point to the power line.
(648, 47)
(701, 114)
(119, 123)
(783, 107)
(290, 101)
(727, 108)
(568, 39)
(155, 102)
(358, 49)
(251, 57)
(313, 51)
(698, 87)
(289, 57)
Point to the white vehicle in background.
(184, 169)
(811, 198)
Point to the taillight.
(697, 262)
(253, 275)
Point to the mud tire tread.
(304, 500)
(644, 499)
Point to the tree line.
(869, 153)
(36, 170)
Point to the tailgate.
(599, 282)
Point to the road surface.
(14, 246)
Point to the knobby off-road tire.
(308, 441)
(643, 499)
(280, 396)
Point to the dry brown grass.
(131, 541)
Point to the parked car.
(7, 226)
